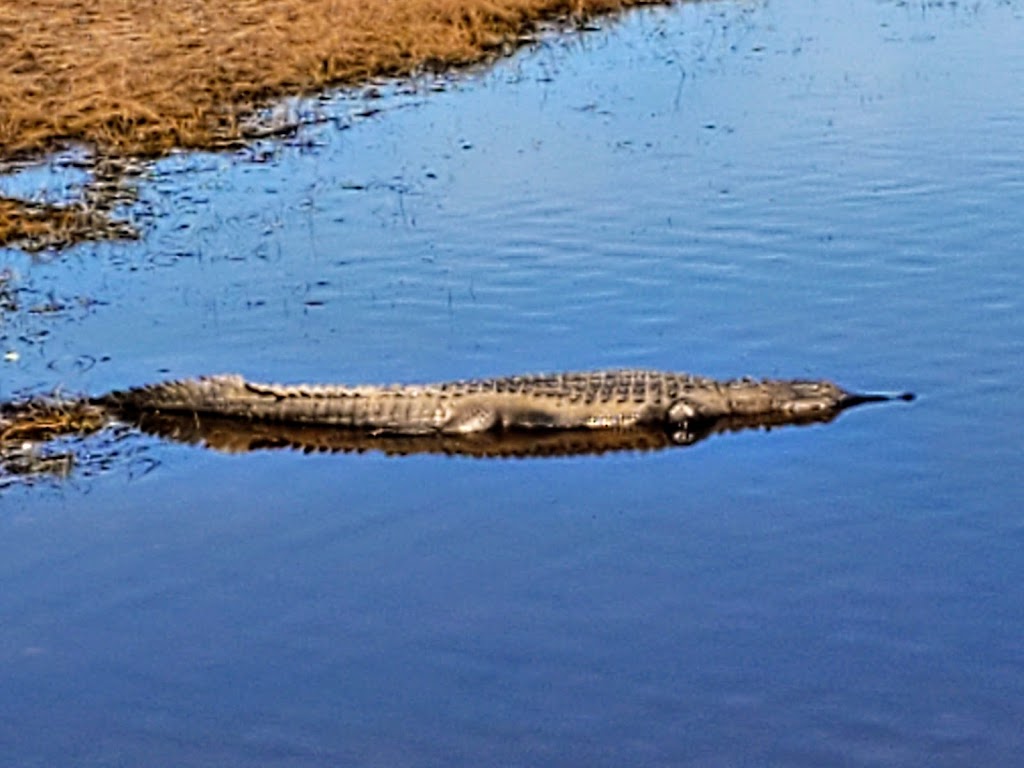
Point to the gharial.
(617, 399)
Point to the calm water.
(802, 189)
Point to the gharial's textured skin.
(605, 399)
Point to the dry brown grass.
(143, 76)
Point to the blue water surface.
(828, 189)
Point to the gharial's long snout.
(852, 399)
(807, 398)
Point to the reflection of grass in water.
(142, 78)
(115, 449)
(27, 427)
(36, 226)
(44, 439)
(45, 418)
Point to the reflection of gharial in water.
(544, 415)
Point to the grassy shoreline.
(142, 78)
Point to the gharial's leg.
(470, 418)
(685, 411)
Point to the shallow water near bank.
(825, 190)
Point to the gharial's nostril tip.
(850, 400)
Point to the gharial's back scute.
(638, 386)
